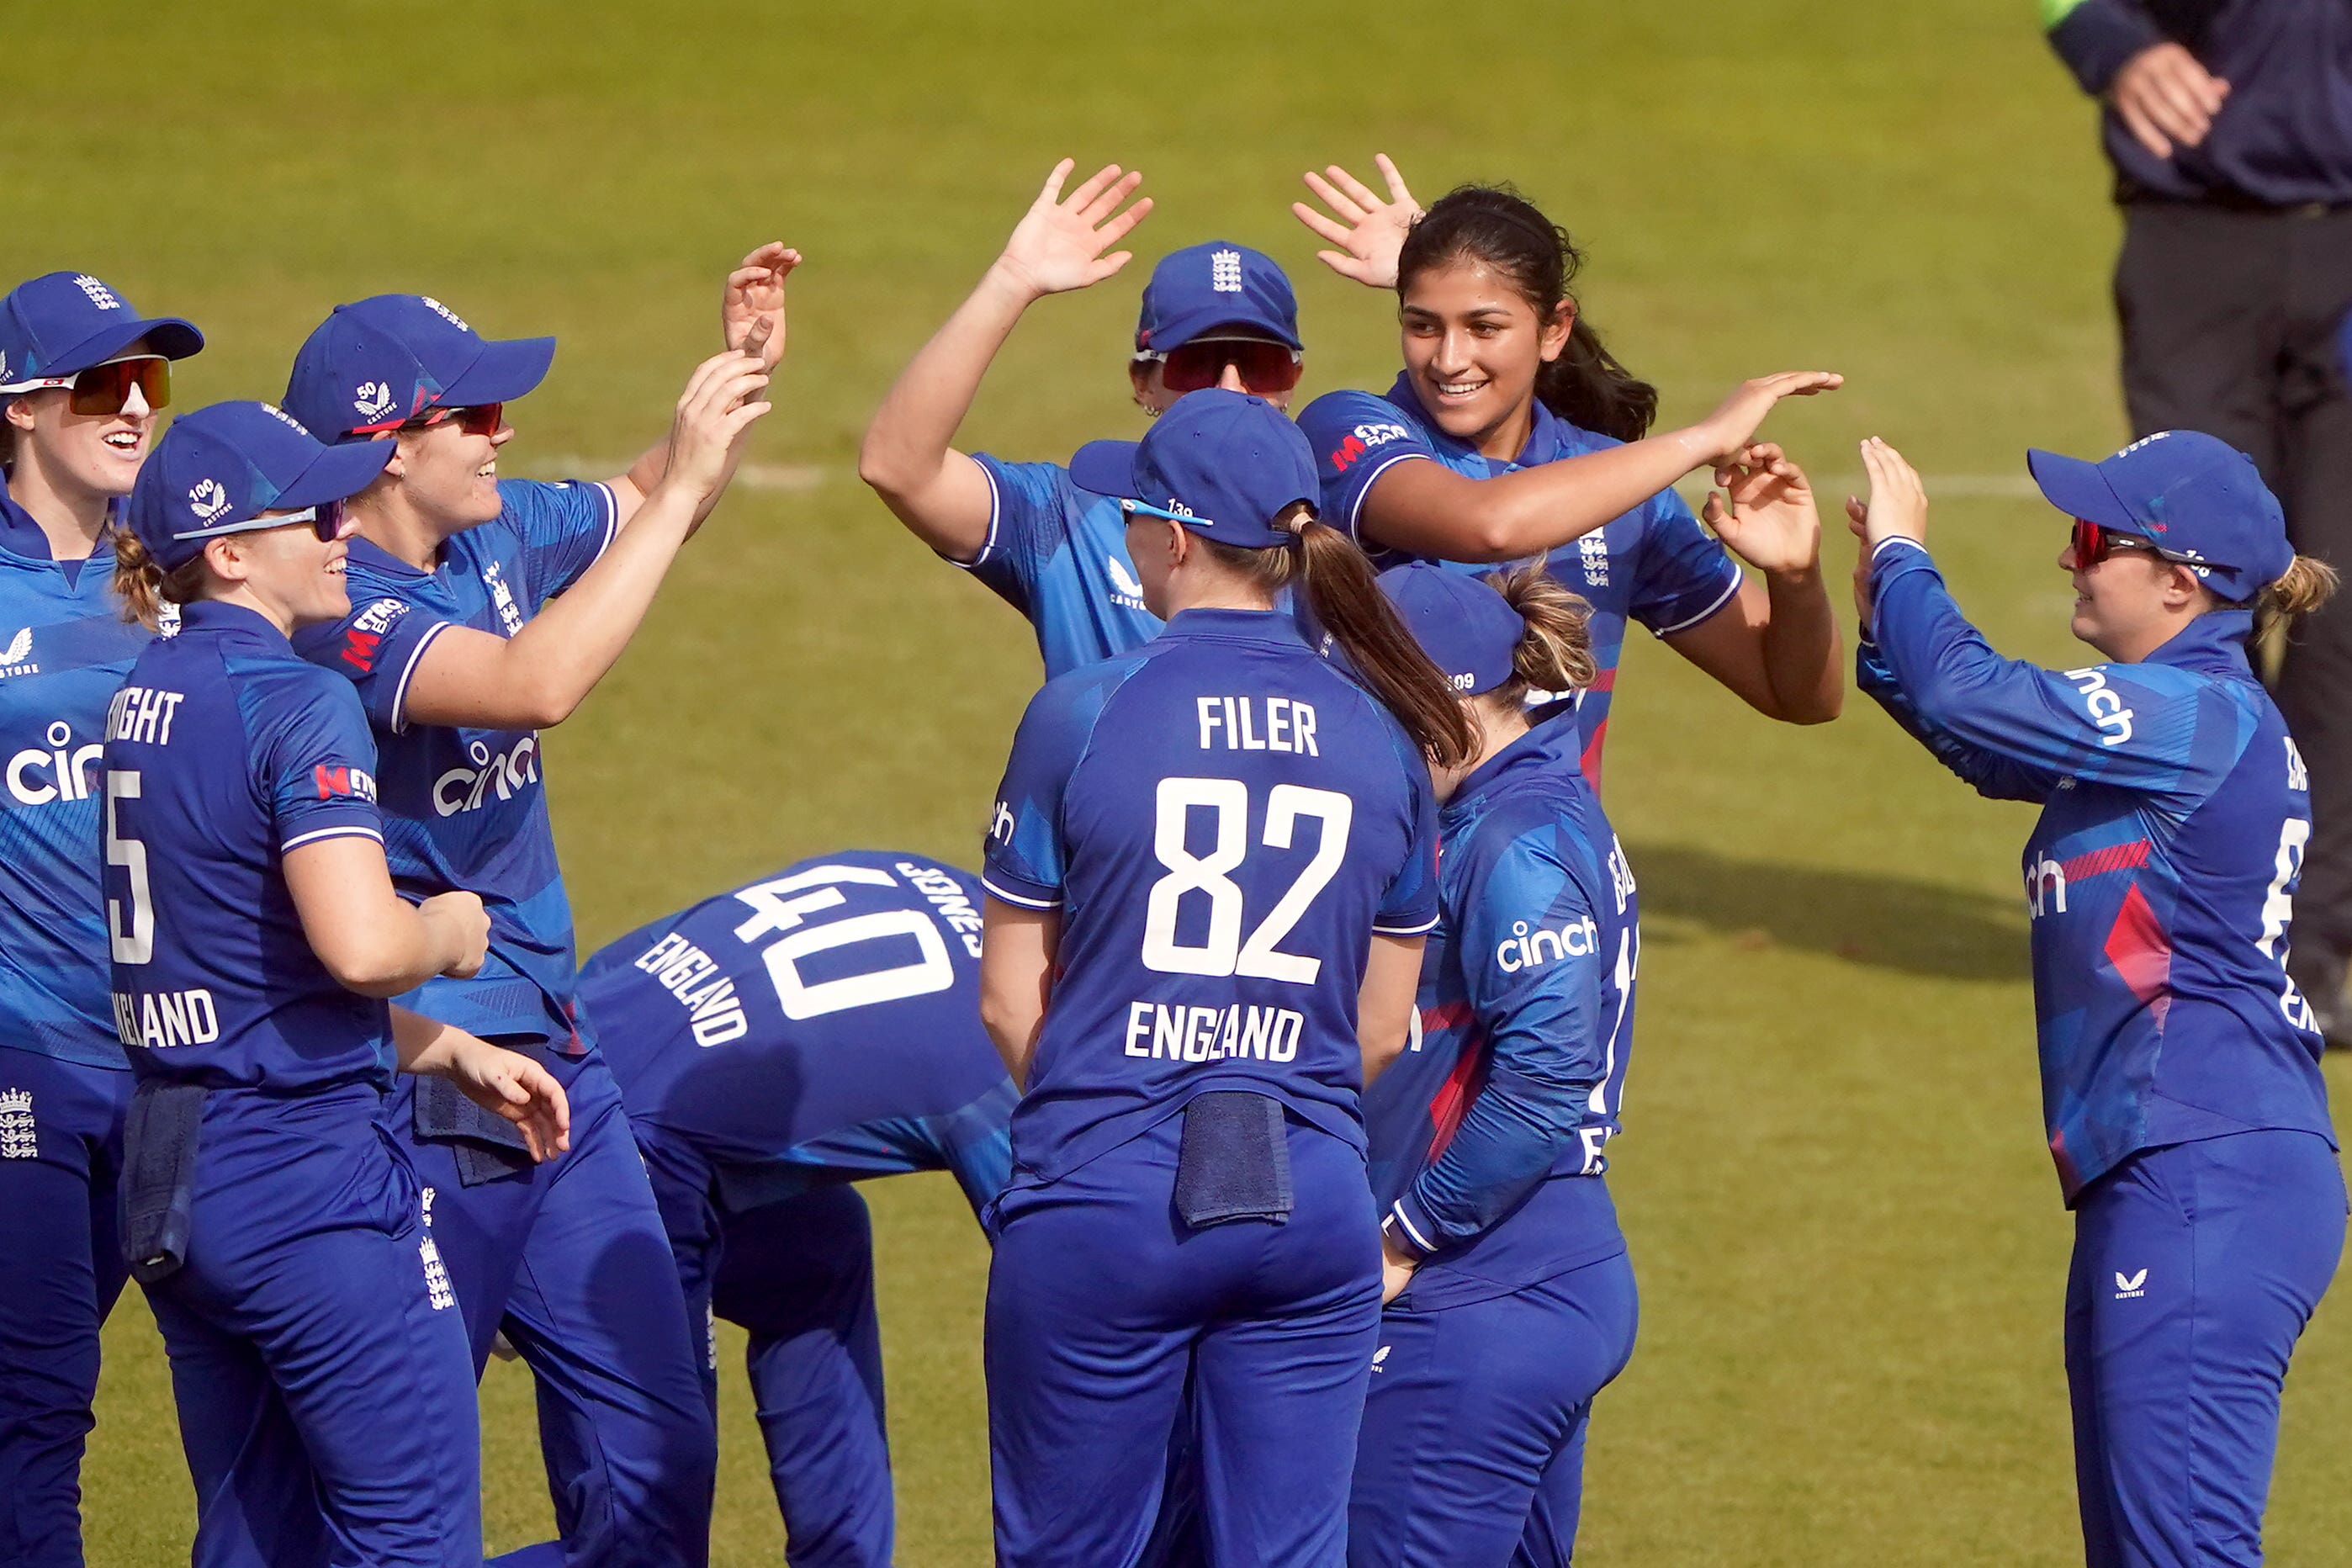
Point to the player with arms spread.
(774, 1045)
(484, 610)
(1511, 1297)
(81, 375)
(1210, 867)
(2180, 1079)
(1213, 315)
(325, 1399)
(1513, 434)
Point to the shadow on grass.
(1881, 919)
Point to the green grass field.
(1850, 1242)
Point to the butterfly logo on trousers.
(2127, 1286)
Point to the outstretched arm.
(941, 495)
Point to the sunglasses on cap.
(326, 520)
(105, 389)
(1265, 367)
(476, 419)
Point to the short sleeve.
(317, 767)
(1026, 858)
(1686, 573)
(1028, 520)
(376, 648)
(1357, 437)
(563, 526)
(1409, 907)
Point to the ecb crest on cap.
(1225, 271)
(99, 294)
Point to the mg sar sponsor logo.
(1362, 440)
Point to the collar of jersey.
(219, 616)
(1549, 437)
(1531, 753)
(18, 528)
(2214, 641)
(1257, 625)
(377, 558)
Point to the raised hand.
(1764, 513)
(1898, 502)
(1732, 426)
(752, 310)
(720, 402)
(1857, 522)
(1059, 244)
(1367, 231)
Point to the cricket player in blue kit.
(482, 612)
(1512, 434)
(2179, 1065)
(1213, 315)
(324, 1395)
(1209, 869)
(773, 1045)
(1511, 1297)
(81, 375)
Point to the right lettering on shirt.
(142, 714)
(1232, 724)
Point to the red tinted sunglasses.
(478, 419)
(2093, 544)
(1265, 367)
(105, 389)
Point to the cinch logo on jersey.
(367, 630)
(693, 976)
(2106, 709)
(1362, 440)
(2045, 887)
(465, 789)
(1289, 724)
(142, 714)
(355, 784)
(999, 823)
(158, 1019)
(1156, 1031)
(64, 772)
(1524, 949)
(947, 899)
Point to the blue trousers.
(1473, 1448)
(1101, 1302)
(799, 1274)
(318, 1359)
(569, 1259)
(2195, 1269)
(60, 1155)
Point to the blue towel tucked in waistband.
(485, 1144)
(158, 1176)
(1233, 1162)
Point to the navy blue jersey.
(1654, 564)
(822, 1022)
(2160, 877)
(1224, 820)
(466, 807)
(224, 750)
(64, 649)
(1059, 554)
(1498, 1110)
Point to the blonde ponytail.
(145, 587)
(2308, 583)
(1555, 652)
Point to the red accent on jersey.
(2141, 951)
(2099, 862)
(359, 649)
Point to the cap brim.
(2077, 488)
(1238, 318)
(505, 370)
(167, 335)
(1106, 467)
(336, 474)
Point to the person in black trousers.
(2228, 123)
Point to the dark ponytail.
(1497, 225)
(145, 587)
(1337, 582)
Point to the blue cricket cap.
(2199, 501)
(1224, 464)
(1465, 627)
(61, 324)
(373, 365)
(217, 470)
(1202, 288)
